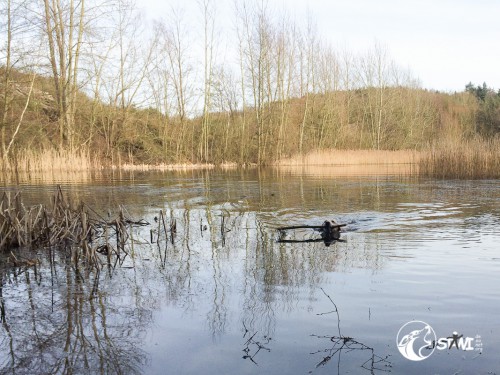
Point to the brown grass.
(353, 157)
(174, 167)
(49, 166)
(476, 158)
(473, 159)
(51, 160)
(162, 167)
(77, 229)
(351, 170)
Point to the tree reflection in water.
(57, 320)
(61, 319)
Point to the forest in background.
(94, 78)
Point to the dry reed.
(352, 157)
(51, 160)
(50, 166)
(174, 167)
(78, 229)
(352, 170)
(474, 159)
(162, 167)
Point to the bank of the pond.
(472, 159)
(465, 160)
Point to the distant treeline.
(488, 114)
(91, 76)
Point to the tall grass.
(55, 160)
(49, 165)
(352, 170)
(473, 159)
(162, 167)
(352, 157)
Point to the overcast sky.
(445, 43)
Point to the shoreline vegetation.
(285, 98)
(353, 157)
(477, 159)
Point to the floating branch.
(330, 232)
(317, 227)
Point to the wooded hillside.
(91, 75)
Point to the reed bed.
(178, 166)
(474, 159)
(57, 161)
(162, 167)
(353, 157)
(50, 166)
(361, 170)
(89, 238)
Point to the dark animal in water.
(330, 232)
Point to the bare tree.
(242, 31)
(285, 52)
(64, 28)
(7, 94)
(256, 54)
(99, 58)
(208, 14)
(308, 76)
(12, 22)
(159, 80)
(225, 99)
(174, 43)
(20, 121)
(328, 72)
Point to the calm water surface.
(225, 297)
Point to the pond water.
(223, 294)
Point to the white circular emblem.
(416, 340)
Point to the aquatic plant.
(80, 230)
